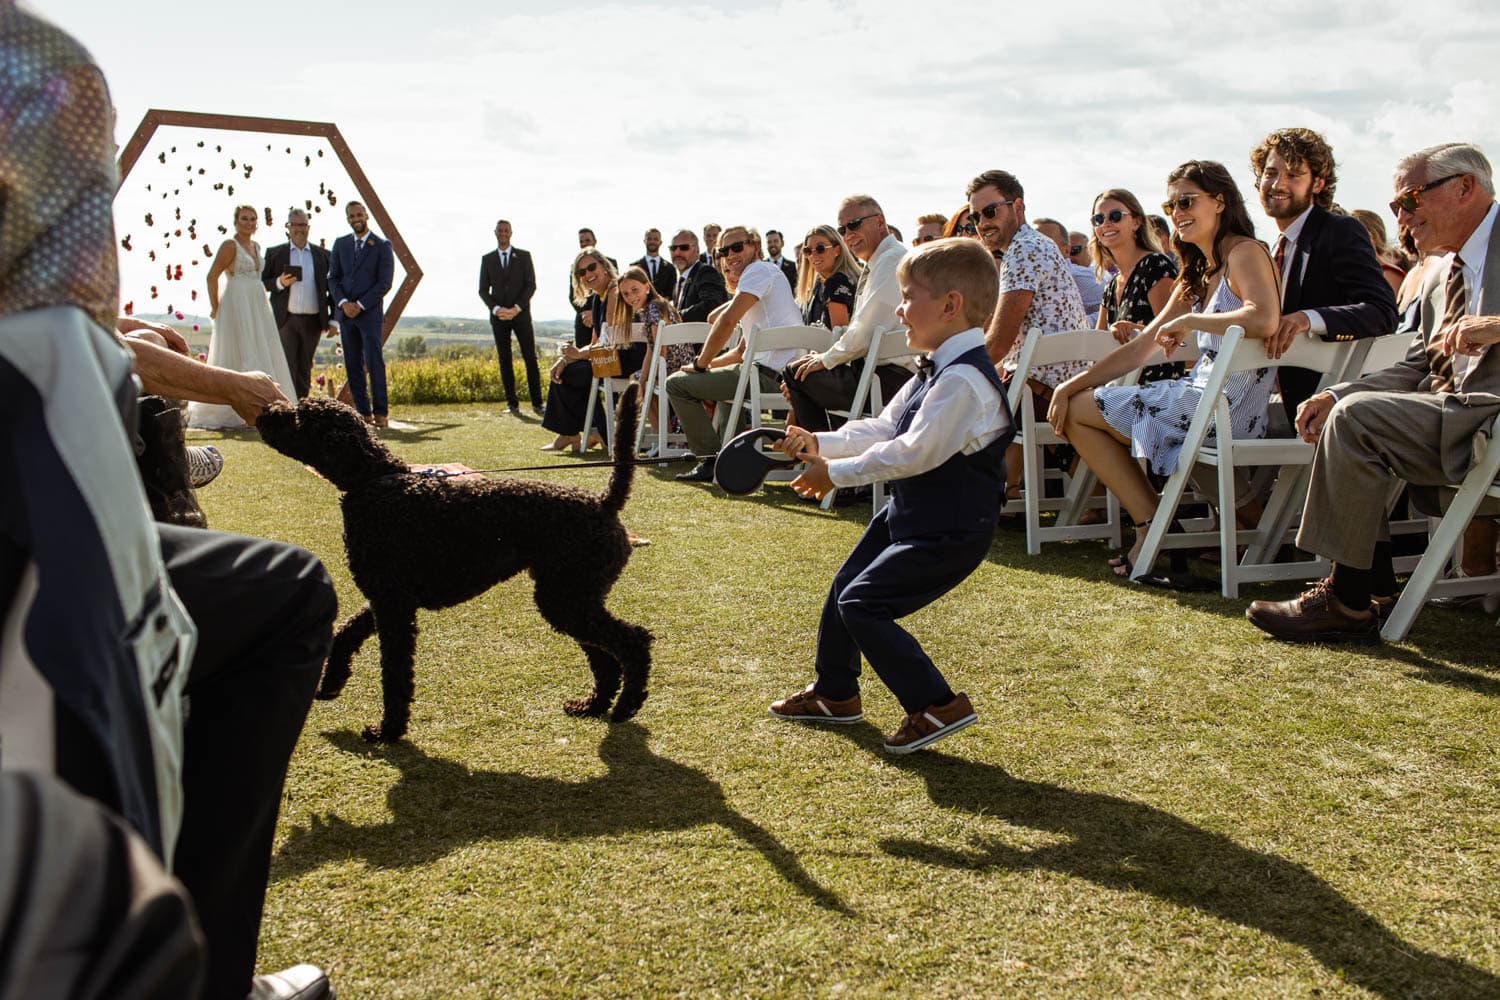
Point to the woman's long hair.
(581, 292)
(622, 315)
(846, 263)
(1145, 237)
(1214, 181)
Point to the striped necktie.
(1455, 308)
(1280, 258)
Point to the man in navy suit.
(359, 274)
(1331, 285)
(507, 281)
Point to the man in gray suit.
(1416, 421)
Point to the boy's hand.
(814, 481)
(798, 443)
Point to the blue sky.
(623, 116)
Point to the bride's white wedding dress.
(244, 338)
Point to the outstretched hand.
(814, 481)
(253, 392)
(798, 443)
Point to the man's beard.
(1292, 209)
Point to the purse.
(604, 359)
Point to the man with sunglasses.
(1331, 284)
(762, 300)
(929, 228)
(1415, 421)
(817, 383)
(700, 288)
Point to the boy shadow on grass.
(1133, 847)
(440, 805)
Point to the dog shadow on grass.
(440, 805)
(1133, 847)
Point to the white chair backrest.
(783, 338)
(890, 345)
(1386, 351)
(682, 333)
(1241, 353)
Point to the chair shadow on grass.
(440, 805)
(1133, 847)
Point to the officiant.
(296, 275)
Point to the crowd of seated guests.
(1323, 273)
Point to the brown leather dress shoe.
(1315, 615)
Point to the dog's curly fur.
(415, 541)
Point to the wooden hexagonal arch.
(156, 118)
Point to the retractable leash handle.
(742, 465)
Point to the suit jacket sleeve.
(1370, 305)
(708, 293)
(271, 272)
(320, 260)
(336, 276)
(1408, 374)
(485, 290)
(383, 278)
(528, 286)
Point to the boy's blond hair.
(956, 265)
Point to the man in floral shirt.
(1037, 290)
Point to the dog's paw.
(591, 707)
(380, 734)
(630, 703)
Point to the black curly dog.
(415, 541)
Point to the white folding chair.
(759, 343)
(1240, 353)
(1034, 436)
(1478, 488)
(655, 391)
(886, 347)
(610, 387)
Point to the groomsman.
(700, 288)
(360, 272)
(774, 243)
(507, 281)
(663, 275)
(296, 275)
(1331, 285)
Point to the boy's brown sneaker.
(809, 706)
(931, 724)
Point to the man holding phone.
(296, 275)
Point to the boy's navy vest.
(963, 495)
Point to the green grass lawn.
(1155, 802)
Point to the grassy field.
(1156, 801)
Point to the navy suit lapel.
(1312, 229)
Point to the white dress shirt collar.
(958, 344)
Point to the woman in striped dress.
(1227, 280)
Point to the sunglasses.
(680, 247)
(853, 224)
(729, 248)
(586, 269)
(1074, 249)
(966, 229)
(988, 212)
(1411, 198)
(816, 248)
(1113, 215)
(924, 239)
(1181, 203)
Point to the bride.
(244, 337)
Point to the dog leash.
(445, 474)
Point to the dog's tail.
(620, 479)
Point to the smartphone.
(295, 270)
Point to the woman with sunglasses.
(825, 287)
(1142, 283)
(958, 224)
(1227, 280)
(595, 289)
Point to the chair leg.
(588, 409)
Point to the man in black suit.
(296, 275)
(1331, 285)
(506, 283)
(774, 243)
(663, 276)
(700, 288)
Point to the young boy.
(941, 442)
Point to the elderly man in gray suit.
(1416, 421)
